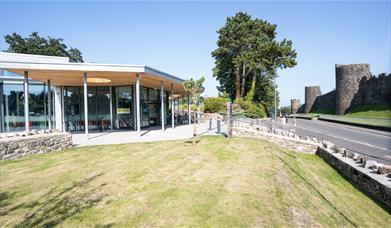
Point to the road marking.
(350, 140)
(354, 128)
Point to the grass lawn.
(239, 182)
(359, 120)
(372, 111)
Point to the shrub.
(250, 109)
(215, 104)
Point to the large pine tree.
(247, 47)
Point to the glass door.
(123, 107)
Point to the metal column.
(138, 104)
(49, 105)
(162, 103)
(188, 108)
(172, 106)
(85, 104)
(111, 108)
(26, 102)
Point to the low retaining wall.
(375, 185)
(16, 147)
(283, 138)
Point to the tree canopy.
(246, 47)
(35, 44)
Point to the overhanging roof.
(61, 72)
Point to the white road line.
(350, 140)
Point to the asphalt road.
(373, 143)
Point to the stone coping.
(380, 178)
(33, 136)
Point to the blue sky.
(178, 37)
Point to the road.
(373, 143)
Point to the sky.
(178, 37)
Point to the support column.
(49, 105)
(26, 102)
(172, 107)
(85, 104)
(45, 105)
(1, 107)
(63, 125)
(188, 108)
(138, 104)
(57, 107)
(111, 108)
(162, 103)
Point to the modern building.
(118, 96)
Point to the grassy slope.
(372, 111)
(238, 182)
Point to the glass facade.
(12, 105)
(98, 108)
(12, 118)
(123, 107)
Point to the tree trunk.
(237, 83)
(255, 76)
(243, 80)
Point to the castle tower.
(347, 79)
(295, 105)
(311, 93)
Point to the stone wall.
(311, 93)
(347, 80)
(375, 185)
(295, 105)
(324, 102)
(373, 91)
(16, 147)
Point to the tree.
(194, 88)
(34, 44)
(247, 46)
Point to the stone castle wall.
(373, 91)
(311, 93)
(355, 86)
(16, 147)
(325, 102)
(295, 105)
(347, 80)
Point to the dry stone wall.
(16, 147)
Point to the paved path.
(374, 143)
(148, 135)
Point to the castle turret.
(311, 93)
(347, 79)
(295, 105)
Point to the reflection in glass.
(123, 107)
(13, 103)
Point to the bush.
(250, 109)
(215, 104)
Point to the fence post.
(229, 119)
(210, 123)
(218, 126)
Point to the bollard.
(210, 123)
(218, 126)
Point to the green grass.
(372, 111)
(359, 120)
(323, 111)
(224, 183)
